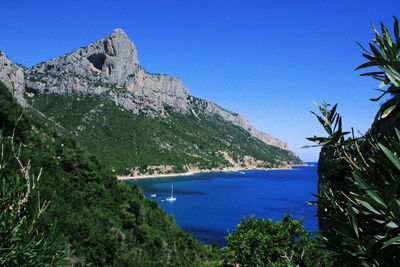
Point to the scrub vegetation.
(77, 213)
(125, 141)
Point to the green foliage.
(359, 187)
(364, 213)
(10, 113)
(260, 242)
(22, 240)
(103, 221)
(385, 54)
(123, 140)
(332, 123)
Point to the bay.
(211, 205)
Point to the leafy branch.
(359, 186)
(384, 54)
(332, 123)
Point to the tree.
(260, 242)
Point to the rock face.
(110, 67)
(12, 75)
(237, 119)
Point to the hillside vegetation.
(91, 219)
(129, 143)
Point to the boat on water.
(171, 198)
(241, 172)
(153, 195)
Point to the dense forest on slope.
(123, 140)
(98, 220)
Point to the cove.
(211, 205)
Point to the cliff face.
(202, 105)
(13, 76)
(110, 67)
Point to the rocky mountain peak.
(110, 67)
(115, 50)
(113, 57)
(119, 32)
(117, 44)
(116, 57)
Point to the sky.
(267, 60)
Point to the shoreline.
(191, 173)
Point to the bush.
(22, 241)
(359, 188)
(260, 242)
(361, 217)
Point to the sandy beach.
(189, 173)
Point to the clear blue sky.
(268, 60)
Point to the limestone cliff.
(12, 75)
(202, 105)
(110, 67)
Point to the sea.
(211, 205)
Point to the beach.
(194, 172)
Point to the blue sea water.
(211, 205)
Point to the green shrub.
(260, 242)
(361, 217)
(22, 241)
(359, 188)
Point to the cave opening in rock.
(97, 60)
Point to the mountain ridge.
(137, 144)
(110, 67)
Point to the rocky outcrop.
(12, 75)
(110, 67)
(201, 105)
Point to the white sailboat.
(171, 198)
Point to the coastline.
(191, 173)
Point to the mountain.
(135, 121)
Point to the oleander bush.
(359, 186)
